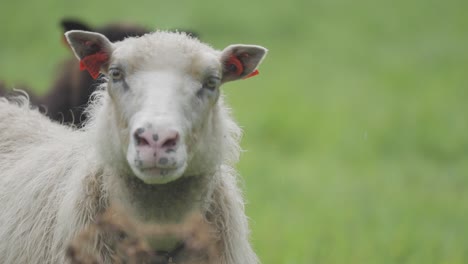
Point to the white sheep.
(160, 142)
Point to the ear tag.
(254, 73)
(93, 63)
(235, 65)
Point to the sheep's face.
(166, 109)
(164, 88)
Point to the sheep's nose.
(165, 140)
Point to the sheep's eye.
(211, 83)
(115, 74)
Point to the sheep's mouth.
(157, 175)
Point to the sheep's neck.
(163, 203)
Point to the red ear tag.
(239, 68)
(254, 73)
(233, 60)
(93, 63)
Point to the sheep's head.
(165, 88)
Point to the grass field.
(356, 130)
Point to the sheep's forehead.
(165, 50)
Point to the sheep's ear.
(92, 49)
(241, 61)
(68, 24)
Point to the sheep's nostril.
(171, 141)
(140, 140)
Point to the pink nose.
(160, 141)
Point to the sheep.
(160, 142)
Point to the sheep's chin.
(157, 175)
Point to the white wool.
(55, 180)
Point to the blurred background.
(356, 129)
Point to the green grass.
(356, 130)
